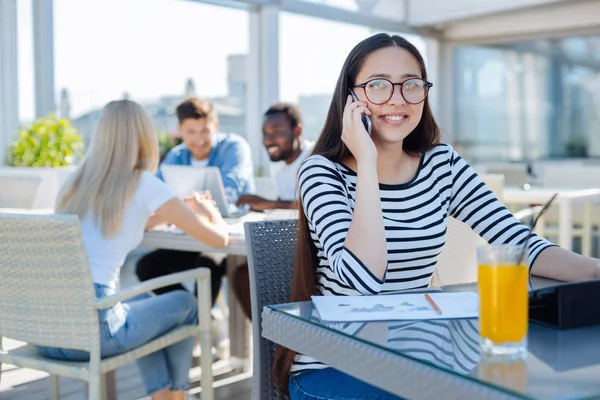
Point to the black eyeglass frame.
(401, 84)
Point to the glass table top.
(559, 364)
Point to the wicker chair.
(47, 298)
(271, 246)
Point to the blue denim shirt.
(231, 154)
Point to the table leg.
(586, 237)
(204, 337)
(565, 224)
(238, 335)
(111, 385)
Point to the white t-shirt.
(286, 176)
(199, 163)
(107, 254)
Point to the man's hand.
(255, 202)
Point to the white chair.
(458, 261)
(47, 298)
(18, 191)
(572, 176)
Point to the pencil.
(435, 306)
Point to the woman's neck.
(394, 165)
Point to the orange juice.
(503, 301)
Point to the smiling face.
(279, 138)
(198, 135)
(394, 120)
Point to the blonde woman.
(116, 195)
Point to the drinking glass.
(503, 301)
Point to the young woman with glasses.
(373, 208)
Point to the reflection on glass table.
(559, 364)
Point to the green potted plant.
(48, 142)
(49, 149)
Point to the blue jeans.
(331, 384)
(135, 322)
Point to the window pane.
(527, 101)
(109, 49)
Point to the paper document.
(396, 307)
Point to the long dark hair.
(425, 136)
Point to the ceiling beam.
(439, 12)
(567, 18)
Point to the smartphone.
(365, 118)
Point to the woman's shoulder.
(440, 153)
(318, 159)
(150, 186)
(440, 148)
(148, 178)
(319, 166)
(152, 192)
(317, 163)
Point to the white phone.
(365, 118)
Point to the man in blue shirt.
(203, 146)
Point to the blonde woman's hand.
(209, 209)
(354, 134)
(203, 205)
(205, 195)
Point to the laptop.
(184, 180)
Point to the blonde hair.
(125, 145)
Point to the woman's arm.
(214, 232)
(366, 236)
(473, 203)
(563, 265)
(154, 220)
(330, 217)
(353, 240)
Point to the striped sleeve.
(329, 215)
(473, 203)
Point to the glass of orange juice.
(503, 301)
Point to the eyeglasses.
(380, 90)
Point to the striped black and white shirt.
(414, 214)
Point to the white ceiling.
(488, 21)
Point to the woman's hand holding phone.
(354, 134)
(365, 118)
